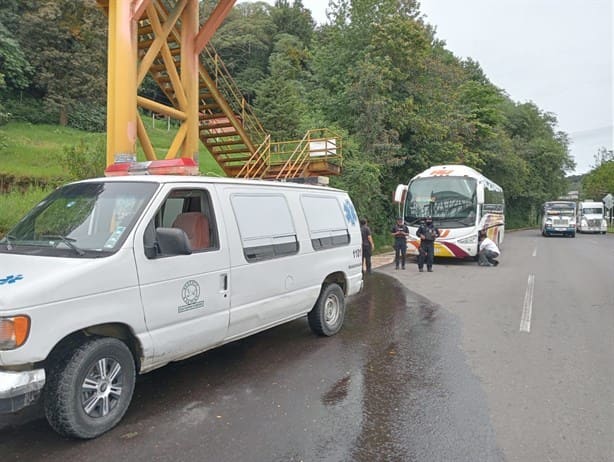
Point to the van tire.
(326, 317)
(66, 395)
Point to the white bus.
(558, 218)
(461, 202)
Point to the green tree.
(65, 42)
(245, 42)
(603, 155)
(600, 181)
(293, 19)
(15, 70)
(280, 103)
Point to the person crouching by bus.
(427, 234)
(367, 244)
(488, 251)
(400, 232)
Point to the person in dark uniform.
(427, 234)
(367, 244)
(400, 232)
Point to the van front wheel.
(89, 390)
(326, 317)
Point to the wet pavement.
(393, 385)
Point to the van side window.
(327, 225)
(191, 211)
(265, 225)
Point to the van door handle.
(224, 282)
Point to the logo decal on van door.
(350, 213)
(190, 294)
(11, 279)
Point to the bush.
(90, 117)
(29, 109)
(85, 160)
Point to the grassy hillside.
(32, 162)
(35, 151)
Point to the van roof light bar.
(181, 166)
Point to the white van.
(110, 277)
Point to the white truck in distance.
(591, 218)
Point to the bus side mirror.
(399, 194)
(480, 195)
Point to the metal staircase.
(228, 127)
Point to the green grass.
(35, 151)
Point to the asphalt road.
(549, 382)
(462, 364)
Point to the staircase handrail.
(302, 153)
(257, 165)
(232, 93)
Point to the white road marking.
(535, 252)
(527, 307)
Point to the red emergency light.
(181, 166)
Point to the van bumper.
(20, 389)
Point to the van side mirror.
(172, 241)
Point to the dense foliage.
(600, 181)
(375, 72)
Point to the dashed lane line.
(527, 307)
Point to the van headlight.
(14, 332)
(468, 240)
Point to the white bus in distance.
(461, 202)
(558, 218)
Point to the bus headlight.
(468, 240)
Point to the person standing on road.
(487, 251)
(400, 232)
(367, 245)
(427, 234)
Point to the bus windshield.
(451, 201)
(559, 208)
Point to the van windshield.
(592, 211)
(80, 220)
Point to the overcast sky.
(556, 53)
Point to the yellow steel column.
(121, 83)
(189, 77)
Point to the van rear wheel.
(326, 317)
(89, 390)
